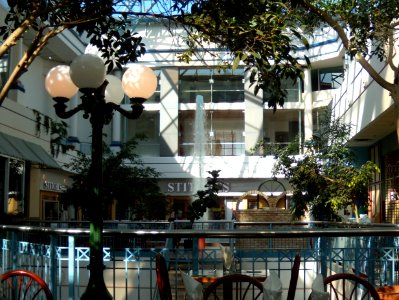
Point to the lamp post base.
(96, 292)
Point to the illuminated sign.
(54, 186)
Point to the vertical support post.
(53, 266)
(372, 241)
(14, 250)
(71, 267)
(195, 256)
(324, 248)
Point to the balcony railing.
(60, 255)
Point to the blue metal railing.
(61, 255)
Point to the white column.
(169, 112)
(308, 104)
(15, 55)
(73, 132)
(116, 137)
(253, 116)
(116, 131)
(73, 138)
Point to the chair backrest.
(165, 292)
(349, 286)
(294, 278)
(234, 286)
(22, 284)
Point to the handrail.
(361, 230)
(365, 248)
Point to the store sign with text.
(54, 186)
(183, 187)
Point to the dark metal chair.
(22, 284)
(239, 285)
(294, 278)
(165, 291)
(349, 286)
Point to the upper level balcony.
(59, 253)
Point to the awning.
(21, 149)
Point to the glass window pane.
(4, 63)
(214, 85)
(3, 191)
(148, 127)
(328, 78)
(291, 87)
(281, 127)
(15, 204)
(223, 133)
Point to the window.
(223, 133)
(292, 88)
(317, 115)
(328, 78)
(12, 185)
(148, 127)
(4, 64)
(214, 85)
(51, 206)
(282, 127)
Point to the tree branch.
(12, 39)
(346, 43)
(390, 51)
(26, 60)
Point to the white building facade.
(234, 120)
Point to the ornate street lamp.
(101, 95)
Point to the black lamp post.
(101, 95)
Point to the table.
(209, 276)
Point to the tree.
(325, 178)
(207, 198)
(366, 28)
(262, 37)
(133, 186)
(45, 19)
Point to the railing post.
(14, 250)
(71, 267)
(5, 249)
(358, 255)
(195, 255)
(324, 247)
(372, 241)
(53, 265)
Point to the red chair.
(165, 292)
(22, 284)
(294, 278)
(242, 286)
(349, 286)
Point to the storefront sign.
(54, 186)
(187, 187)
(180, 187)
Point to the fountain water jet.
(199, 179)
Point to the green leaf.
(236, 62)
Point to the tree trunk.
(395, 98)
(356, 212)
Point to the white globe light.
(58, 83)
(113, 91)
(139, 82)
(87, 71)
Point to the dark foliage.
(207, 198)
(125, 179)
